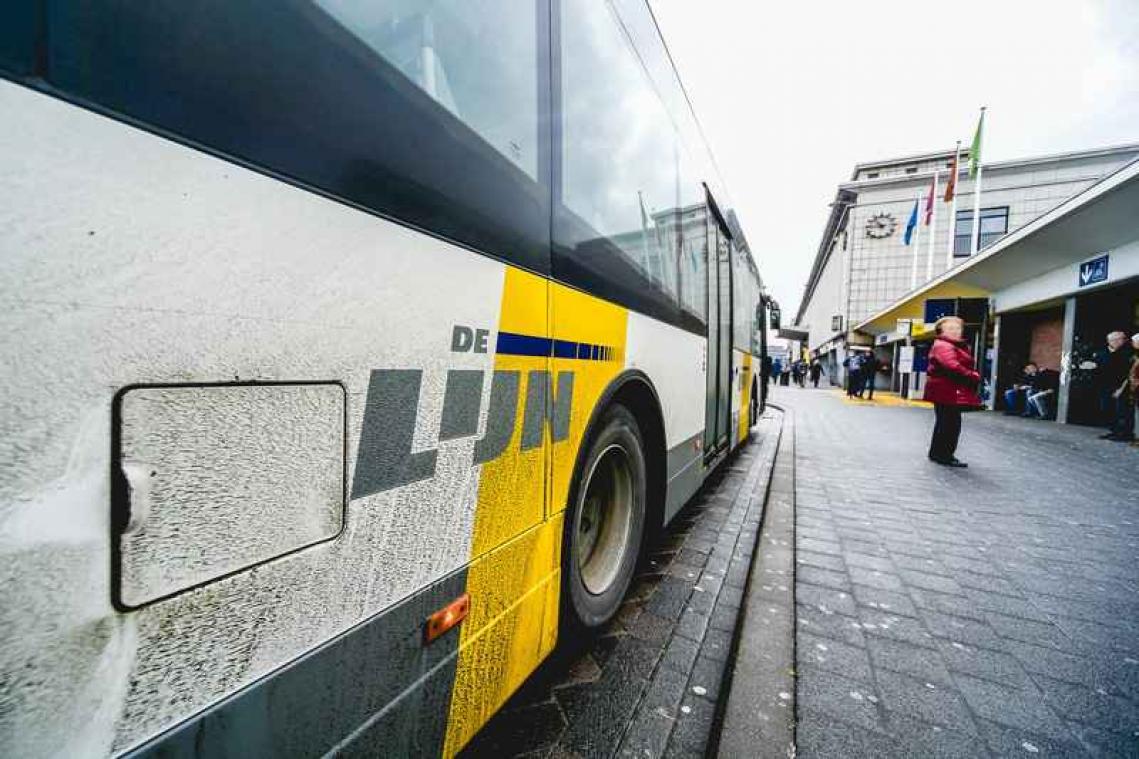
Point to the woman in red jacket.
(951, 384)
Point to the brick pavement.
(649, 684)
(941, 612)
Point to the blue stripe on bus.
(565, 349)
(514, 344)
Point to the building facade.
(1048, 293)
(863, 263)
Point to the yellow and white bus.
(352, 349)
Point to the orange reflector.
(447, 617)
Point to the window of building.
(994, 225)
(872, 175)
(911, 169)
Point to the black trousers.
(1123, 421)
(946, 431)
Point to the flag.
(951, 185)
(929, 200)
(975, 150)
(912, 223)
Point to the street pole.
(953, 209)
(917, 246)
(932, 228)
(977, 187)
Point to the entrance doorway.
(718, 401)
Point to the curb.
(759, 708)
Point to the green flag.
(975, 151)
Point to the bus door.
(718, 402)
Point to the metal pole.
(953, 209)
(932, 228)
(917, 246)
(977, 187)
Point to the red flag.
(929, 200)
(951, 185)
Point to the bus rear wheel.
(605, 522)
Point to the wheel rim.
(604, 520)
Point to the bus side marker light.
(447, 617)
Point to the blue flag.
(912, 224)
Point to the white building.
(862, 264)
(1049, 293)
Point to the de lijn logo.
(384, 459)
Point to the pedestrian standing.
(1114, 375)
(816, 372)
(1134, 379)
(860, 375)
(870, 374)
(951, 386)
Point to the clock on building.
(881, 225)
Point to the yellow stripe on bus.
(581, 317)
(745, 397)
(515, 578)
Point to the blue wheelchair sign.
(1093, 271)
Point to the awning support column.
(994, 377)
(1066, 346)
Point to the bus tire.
(605, 521)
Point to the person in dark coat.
(869, 374)
(951, 385)
(1113, 375)
(816, 372)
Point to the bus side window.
(424, 111)
(465, 56)
(619, 184)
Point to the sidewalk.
(986, 611)
(882, 398)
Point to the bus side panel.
(673, 359)
(515, 589)
(131, 259)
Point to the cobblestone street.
(985, 611)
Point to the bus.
(354, 349)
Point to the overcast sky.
(792, 94)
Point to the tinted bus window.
(424, 111)
(620, 220)
(475, 58)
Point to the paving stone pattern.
(759, 709)
(976, 612)
(649, 684)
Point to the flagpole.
(917, 247)
(977, 187)
(932, 228)
(953, 208)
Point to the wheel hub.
(604, 520)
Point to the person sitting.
(1038, 401)
(1016, 397)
